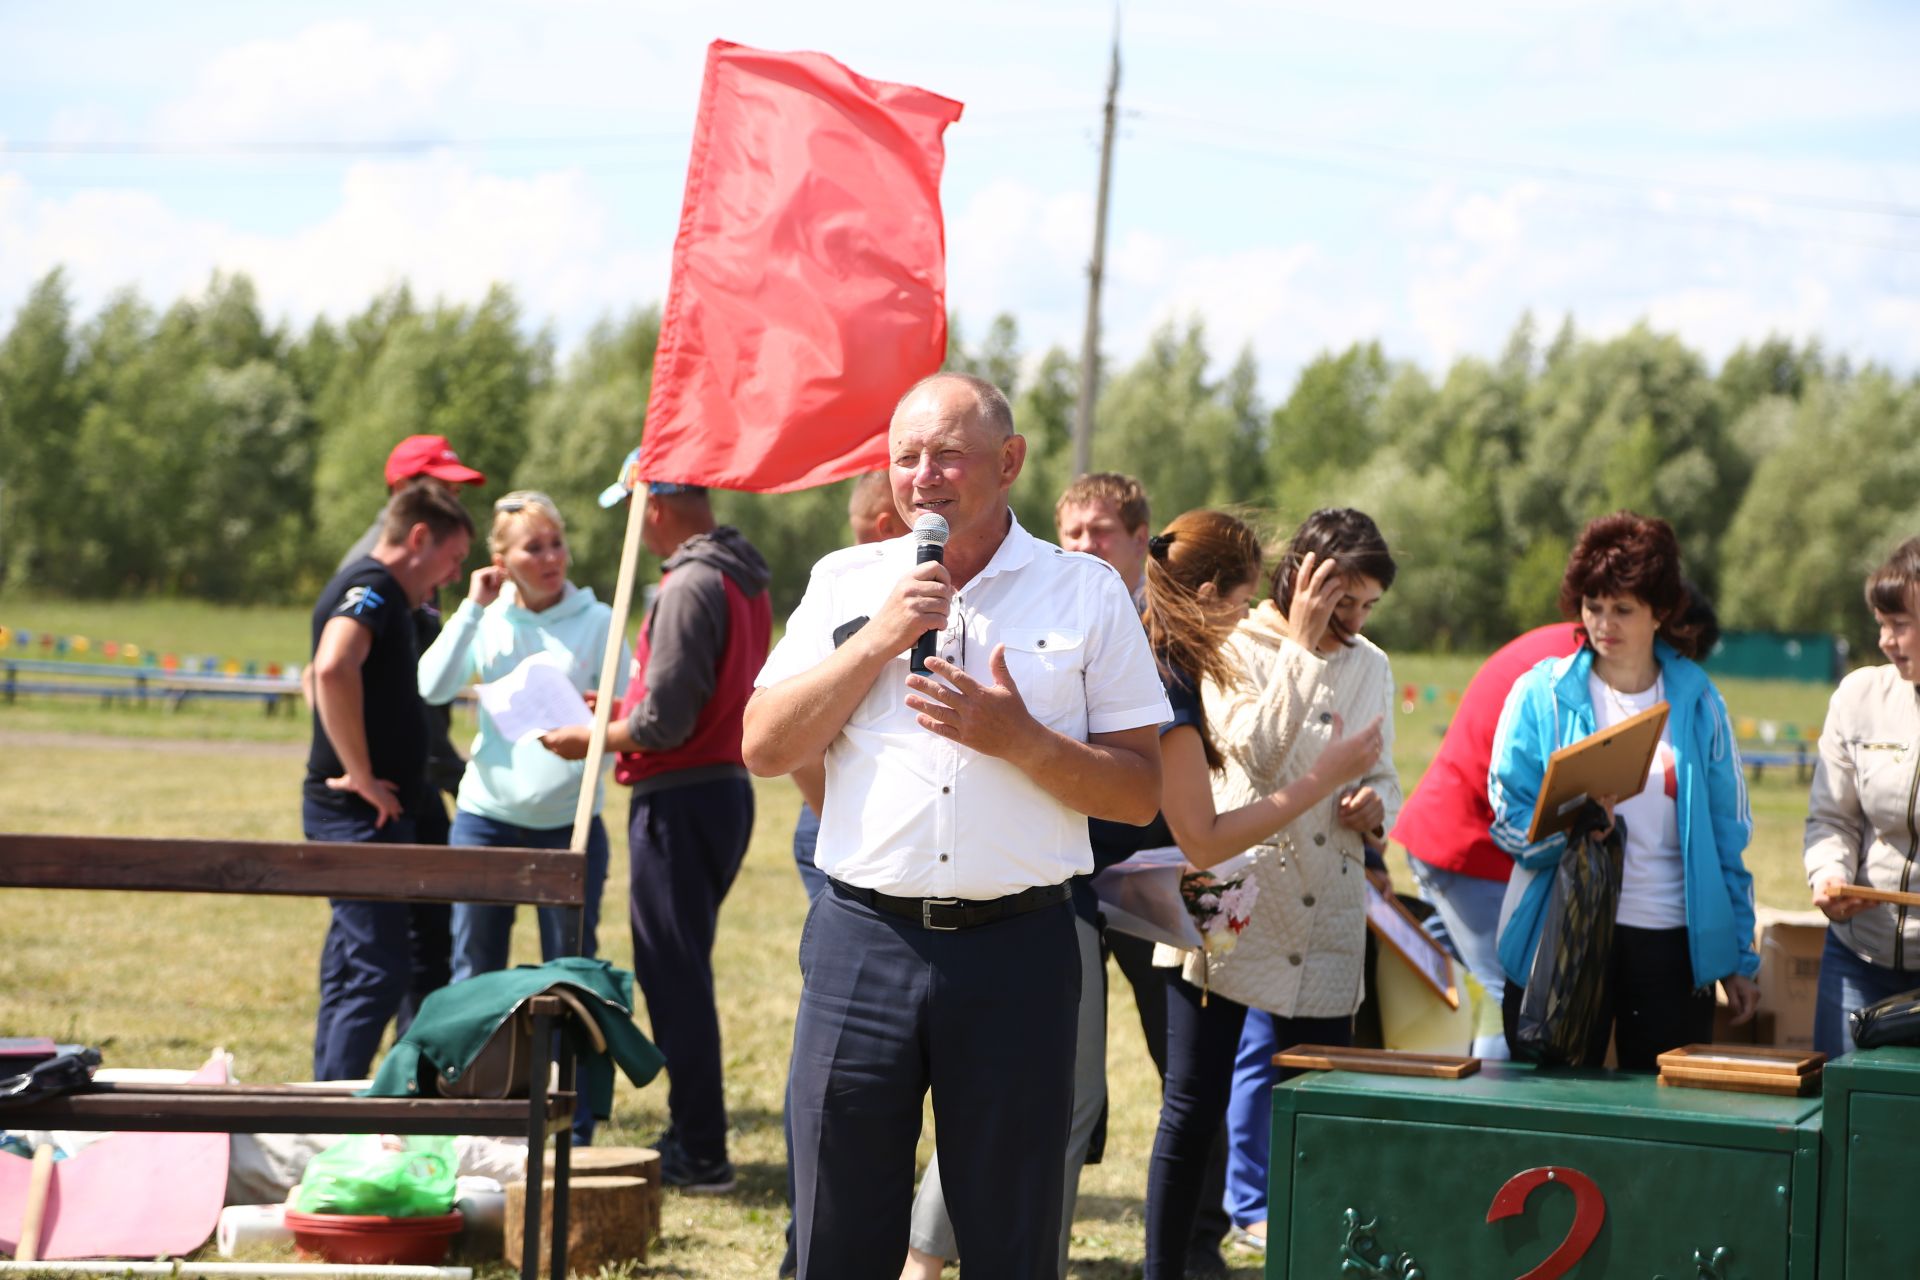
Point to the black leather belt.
(947, 914)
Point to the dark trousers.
(1650, 1004)
(1135, 958)
(806, 838)
(366, 968)
(985, 1018)
(429, 924)
(1202, 1041)
(684, 846)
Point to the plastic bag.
(1895, 1020)
(395, 1177)
(1568, 985)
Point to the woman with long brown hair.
(1202, 572)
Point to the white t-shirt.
(1653, 889)
(913, 814)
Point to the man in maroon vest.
(678, 735)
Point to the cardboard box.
(1759, 1029)
(1790, 943)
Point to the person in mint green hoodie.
(519, 794)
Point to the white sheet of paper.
(534, 697)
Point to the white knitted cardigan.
(1303, 952)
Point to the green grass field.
(158, 981)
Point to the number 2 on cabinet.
(1589, 1211)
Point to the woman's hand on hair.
(1317, 585)
(483, 588)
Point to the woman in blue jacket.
(519, 794)
(1685, 919)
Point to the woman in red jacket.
(1444, 824)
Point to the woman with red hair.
(1685, 919)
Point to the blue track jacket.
(1549, 708)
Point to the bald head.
(956, 455)
(947, 393)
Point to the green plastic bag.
(382, 1174)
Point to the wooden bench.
(384, 873)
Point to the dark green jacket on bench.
(455, 1023)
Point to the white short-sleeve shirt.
(910, 813)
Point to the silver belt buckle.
(926, 913)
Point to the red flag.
(809, 274)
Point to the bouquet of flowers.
(1220, 900)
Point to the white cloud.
(1013, 248)
(331, 80)
(434, 223)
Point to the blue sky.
(1298, 176)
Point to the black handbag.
(1567, 986)
(1895, 1020)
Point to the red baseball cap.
(428, 456)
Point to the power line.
(1352, 169)
(414, 145)
(1554, 172)
(333, 147)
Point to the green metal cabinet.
(1513, 1173)
(1872, 1166)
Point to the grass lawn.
(161, 980)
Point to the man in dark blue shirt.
(369, 757)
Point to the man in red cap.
(417, 461)
(428, 456)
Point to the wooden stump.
(625, 1162)
(609, 1219)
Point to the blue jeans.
(483, 933)
(1847, 983)
(1250, 1106)
(1470, 908)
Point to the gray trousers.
(932, 1231)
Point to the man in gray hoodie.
(677, 733)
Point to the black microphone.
(929, 543)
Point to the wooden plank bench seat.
(386, 873)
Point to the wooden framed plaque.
(1742, 1068)
(1612, 762)
(1396, 928)
(1756, 1058)
(1386, 1062)
(1871, 894)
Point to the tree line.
(201, 451)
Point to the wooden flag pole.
(610, 665)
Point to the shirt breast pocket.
(1047, 665)
(887, 695)
(1877, 760)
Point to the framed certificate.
(1612, 762)
(1401, 933)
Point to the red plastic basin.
(346, 1237)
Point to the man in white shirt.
(943, 954)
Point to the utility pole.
(1096, 270)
